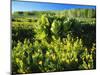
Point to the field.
(50, 41)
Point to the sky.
(40, 6)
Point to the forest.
(52, 41)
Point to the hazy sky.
(38, 6)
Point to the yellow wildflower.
(47, 53)
(93, 49)
(76, 60)
(40, 62)
(86, 49)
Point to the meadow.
(52, 41)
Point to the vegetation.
(49, 41)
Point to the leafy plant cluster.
(70, 54)
(50, 43)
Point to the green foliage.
(56, 56)
(55, 28)
(48, 41)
